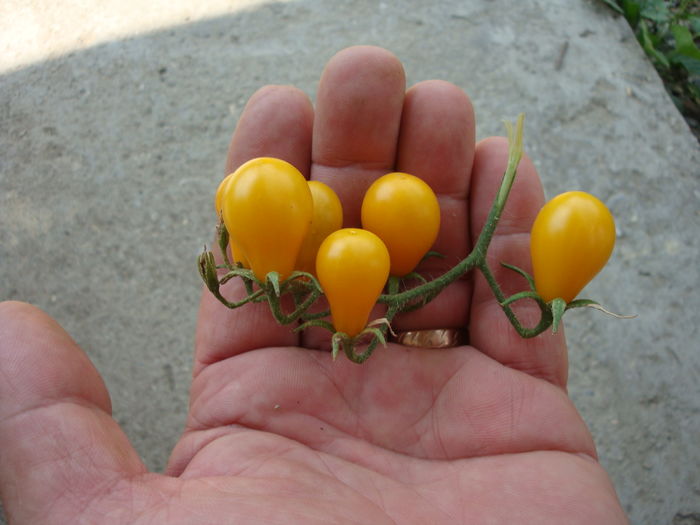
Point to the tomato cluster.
(277, 221)
(285, 236)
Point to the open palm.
(280, 433)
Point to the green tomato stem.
(406, 301)
(477, 257)
(545, 319)
(274, 299)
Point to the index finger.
(276, 122)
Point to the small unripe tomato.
(327, 218)
(236, 251)
(267, 208)
(571, 240)
(404, 212)
(352, 266)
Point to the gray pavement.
(109, 156)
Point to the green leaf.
(694, 22)
(612, 4)
(684, 42)
(649, 47)
(686, 53)
(691, 65)
(558, 309)
(656, 11)
(632, 9)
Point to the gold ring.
(434, 338)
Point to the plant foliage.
(669, 32)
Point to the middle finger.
(357, 121)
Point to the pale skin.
(277, 432)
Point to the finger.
(358, 113)
(543, 356)
(276, 122)
(437, 144)
(60, 446)
(356, 129)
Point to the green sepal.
(223, 242)
(238, 272)
(520, 295)
(273, 278)
(392, 284)
(248, 282)
(296, 275)
(416, 276)
(588, 303)
(522, 272)
(207, 269)
(315, 322)
(580, 303)
(349, 347)
(338, 339)
(432, 253)
(376, 332)
(202, 265)
(317, 315)
(558, 307)
(412, 307)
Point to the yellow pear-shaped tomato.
(571, 240)
(352, 266)
(267, 208)
(327, 218)
(404, 212)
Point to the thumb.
(61, 450)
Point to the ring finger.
(436, 143)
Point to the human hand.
(277, 431)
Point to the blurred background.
(115, 118)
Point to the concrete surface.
(109, 155)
